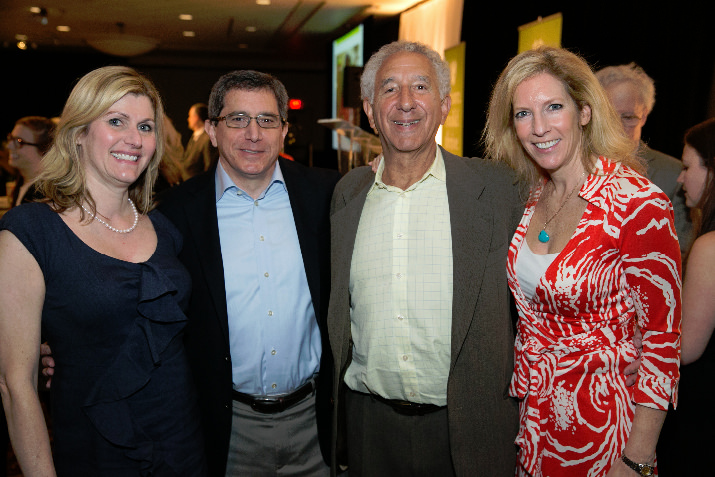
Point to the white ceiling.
(218, 25)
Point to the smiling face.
(694, 176)
(548, 123)
(248, 155)
(117, 146)
(407, 110)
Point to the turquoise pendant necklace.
(543, 236)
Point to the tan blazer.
(484, 211)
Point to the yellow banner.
(453, 129)
(543, 31)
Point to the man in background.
(632, 93)
(199, 154)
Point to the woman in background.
(690, 428)
(595, 254)
(99, 275)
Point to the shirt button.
(404, 357)
(261, 238)
(412, 394)
(255, 202)
(274, 385)
(265, 274)
(399, 236)
(398, 275)
(400, 317)
(270, 312)
(273, 352)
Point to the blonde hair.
(602, 136)
(62, 180)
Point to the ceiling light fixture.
(63, 28)
(186, 17)
(123, 45)
(263, 2)
(22, 45)
(189, 34)
(251, 29)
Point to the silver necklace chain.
(543, 233)
(114, 229)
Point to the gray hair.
(367, 80)
(633, 73)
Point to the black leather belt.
(271, 404)
(408, 408)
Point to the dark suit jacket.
(484, 211)
(192, 208)
(199, 156)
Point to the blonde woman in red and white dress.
(595, 254)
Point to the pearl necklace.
(543, 236)
(113, 229)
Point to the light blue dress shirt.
(273, 332)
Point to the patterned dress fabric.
(123, 398)
(621, 267)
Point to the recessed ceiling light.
(189, 33)
(35, 9)
(19, 37)
(22, 45)
(63, 28)
(263, 2)
(186, 16)
(251, 29)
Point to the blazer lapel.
(305, 217)
(203, 228)
(471, 236)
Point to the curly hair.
(373, 65)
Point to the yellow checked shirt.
(401, 291)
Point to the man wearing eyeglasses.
(27, 143)
(632, 93)
(256, 241)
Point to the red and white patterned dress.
(574, 339)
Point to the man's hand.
(48, 365)
(631, 371)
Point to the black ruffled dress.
(123, 399)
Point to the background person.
(585, 265)
(102, 280)
(27, 143)
(688, 434)
(632, 93)
(199, 154)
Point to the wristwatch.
(642, 469)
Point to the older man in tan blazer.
(419, 317)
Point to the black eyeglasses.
(241, 121)
(19, 142)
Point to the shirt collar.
(436, 170)
(224, 181)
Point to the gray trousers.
(280, 444)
